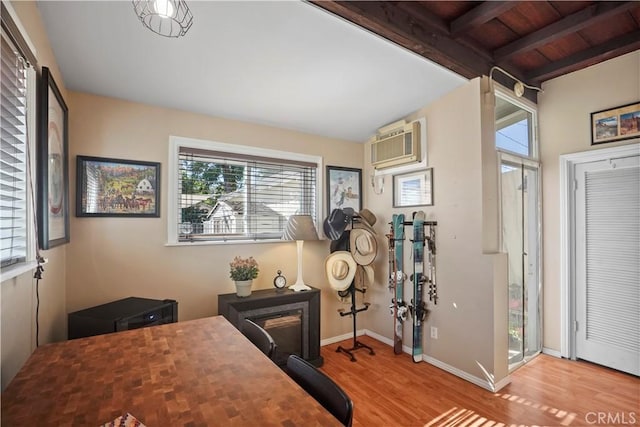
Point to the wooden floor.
(390, 390)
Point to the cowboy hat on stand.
(340, 268)
(363, 245)
(366, 220)
(364, 277)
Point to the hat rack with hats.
(348, 268)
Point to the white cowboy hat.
(364, 276)
(340, 268)
(364, 246)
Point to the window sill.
(223, 242)
(17, 270)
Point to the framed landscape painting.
(615, 124)
(116, 187)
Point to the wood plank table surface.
(196, 373)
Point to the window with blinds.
(227, 196)
(14, 154)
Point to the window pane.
(513, 128)
(520, 239)
(224, 198)
(13, 156)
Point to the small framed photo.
(53, 165)
(615, 124)
(116, 187)
(413, 189)
(344, 188)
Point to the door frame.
(568, 163)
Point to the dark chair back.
(259, 337)
(322, 388)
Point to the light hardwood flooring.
(391, 390)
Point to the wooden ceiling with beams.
(532, 40)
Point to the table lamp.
(300, 228)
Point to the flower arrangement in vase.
(243, 271)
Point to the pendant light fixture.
(169, 18)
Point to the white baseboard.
(485, 384)
(432, 361)
(381, 338)
(551, 352)
(342, 337)
(387, 341)
(502, 383)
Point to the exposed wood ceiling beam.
(477, 16)
(616, 47)
(567, 25)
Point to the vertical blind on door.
(226, 196)
(13, 155)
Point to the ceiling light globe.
(163, 8)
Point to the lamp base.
(299, 287)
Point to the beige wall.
(112, 258)
(564, 116)
(464, 315)
(18, 295)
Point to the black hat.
(335, 224)
(341, 244)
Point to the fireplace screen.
(286, 330)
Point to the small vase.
(243, 288)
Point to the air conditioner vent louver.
(397, 147)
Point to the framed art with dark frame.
(615, 124)
(413, 189)
(344, 188)
(53, 165)
(116, 187)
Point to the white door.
(607, 261)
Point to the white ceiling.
(286, 64)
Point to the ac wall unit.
(396, 144)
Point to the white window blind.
(227, 196)
(14, 157)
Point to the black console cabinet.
(121, 315)
(267, 306)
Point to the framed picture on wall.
(413, 189)
(53, 165)
(344, 188)
(116, 187)
(615, 124)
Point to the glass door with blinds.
(521, 240)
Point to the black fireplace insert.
(291, 318)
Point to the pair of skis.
(399, 307)
(396, 279)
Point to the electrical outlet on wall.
(434, 332)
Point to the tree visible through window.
(225, 196)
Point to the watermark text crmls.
(609, 418)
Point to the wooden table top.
(197, 373)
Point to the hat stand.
(353, 312)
